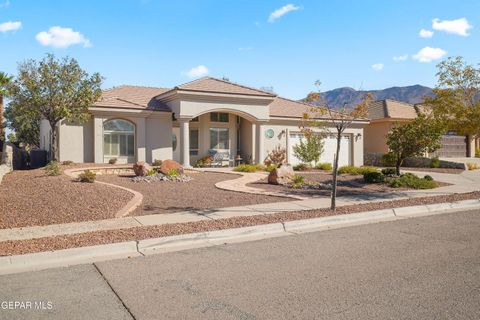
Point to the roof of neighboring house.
(213, 85)
(382, 109)
(132, 97)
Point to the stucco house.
(190, 121)
(384, 114)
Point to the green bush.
(87, 176)
(112, 161)
(152, 172)
(52, 169)
(373, 177)
(172, 173)
(298, 179)
(477, 153)
(388, 160)
(324, 166)
(435, 162)
(270, 167)
(247, 168)
(409, 180)
(356, 170)
(428, 178)
(301, 167)
(389, 172)
(157, 163)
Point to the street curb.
(82, 255)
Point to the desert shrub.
(112, 161)
(373, 177)
(477, 153)
(271, 167)
(52, 169)
(356, 170)
(429, 178)
(324, 166)
(409, 180)
(172, 173)
(204, 162)
(435, 162)
(151, 172)
(157, 163)
(388, 160)
(298, 179)
(301, 167)
(472, 166)
(67, 162)
(87, 176)
(276, 156)
(389, 172)
(311, 149)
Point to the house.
(384, 114)
(190, 121)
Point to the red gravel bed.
(199, 193)
(139, 233)
(31, 198)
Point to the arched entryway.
(119, 141)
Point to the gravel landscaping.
(161, 197)
(139, 233)
(31, 198)
(439, 170)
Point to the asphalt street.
(421, 268)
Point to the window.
(194, 119)
(219, 138)
(118, 138)
(194, 142)
(238, 141)
(219, 117)
(238, 119)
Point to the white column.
(287, 145)
(185, 142)
(254, 145)
(261, 143)
(98, 140)
(141, 140)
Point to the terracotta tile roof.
(381, 109)
(282, 107)
(132, 97)
(209, 84)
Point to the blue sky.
(286, 45)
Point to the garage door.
(452, 146)
(329, 149)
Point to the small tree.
(4, 82)
(54, 90)
(413, 139)
(456, 99)
(311, 149)
(340, 119)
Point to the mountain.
(411, 94)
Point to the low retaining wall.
(375, 159)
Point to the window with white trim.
(118, 138)
(219, 138)
(193, 142)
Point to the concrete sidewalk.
(467, 181)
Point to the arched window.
(119, 139)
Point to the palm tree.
(4, 81)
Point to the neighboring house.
(191, 121)
(384, 114)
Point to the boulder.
(282, 175)
(168, 165)
(141, 168)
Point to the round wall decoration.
(269, 133)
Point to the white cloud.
(10, 26)
(198, 71)
(429, 54)
(400, 58)
(458, 26)
(424, 33)
(281, 12)
(59, 37)
(377, 66)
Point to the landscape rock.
(282, 175)
(168, 165)
(141, 168)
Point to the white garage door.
(329, 149)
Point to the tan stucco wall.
(375, 137)
(75, 142)
(158, 139)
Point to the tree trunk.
(53, 142)
(397, 166)
(333, 204)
